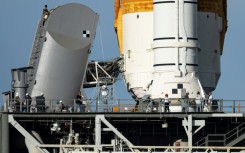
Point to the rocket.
(170, 47)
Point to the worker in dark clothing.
(45, 9)
(27, 103)
(79, 95)
(45, 14)
(186, 103)
(166, 103)
(80, 107)
(62, 106)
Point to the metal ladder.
(229, 139)
(36, 53)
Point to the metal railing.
(118, 105)
(222, 139)
(148, 149)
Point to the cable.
(101, 43)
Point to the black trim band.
(167, 64)
(190, 2)
(164, 38)
(174, 2)
(164, 2)
(172, 64)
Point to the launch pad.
(117, 132)
(164, 50)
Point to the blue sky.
(18, 25)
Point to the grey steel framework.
(124, 132)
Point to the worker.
(17, 102)
(45, 9)
(198, 102)
(166, 103)
(185, 103)
(84, 103)
(212, 104)
(161, 105)
(45, 14)
(210, 101)
(79, 102)
(62, 106)
(27, 103)
(57, 106)
(79, 95)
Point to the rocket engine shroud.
(69, 33)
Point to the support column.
(97, 133)
(25, 134)
(98, 120)
(4, 133)
(188, 128)
(189, 131)
(1, 133)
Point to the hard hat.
(16, 94)
(60, 101)
(104, 87)
(27, 94)
(42, 94)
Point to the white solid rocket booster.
(175, 46)
(170, 46)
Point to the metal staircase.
(36, 52)
(229, 139)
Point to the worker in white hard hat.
(28, 101)
(17, 102)
(62, 106)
